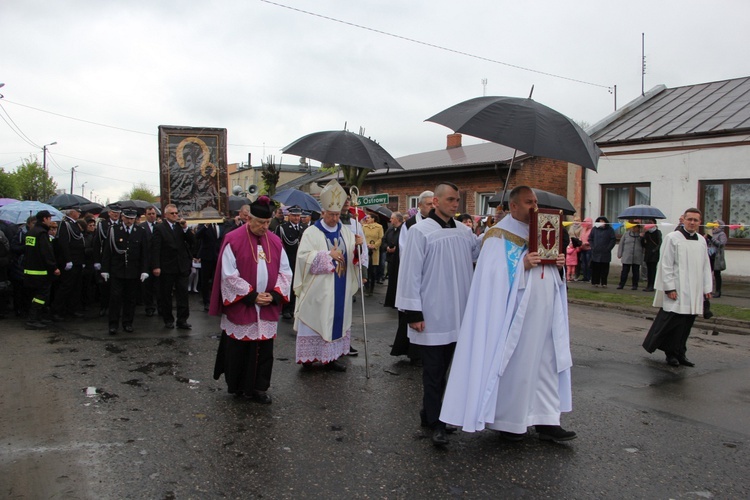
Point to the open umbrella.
(523, 124)
(642, 212)
(292, 197)
(343, 147)
(237, 202)
(380, 209)
(18, 212)
(7, 201)
(545, 199)
(92, 208)
(139, 205)
(67, 200)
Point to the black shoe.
(78, 314)
(261, 397)
(206, 307)
(634, 287)
(716, 295)
(128, 328)
(684, 361)
(673, 361)
(512, 436)
(103, 311)
(35, 325)
(287, 315)
(554, 433)
(113, 330)
(169, 325)
(352, 351)
(150, 312)
(336, 366)
(184, 326)
(620, 287)
(439, 437)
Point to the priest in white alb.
(511, 368)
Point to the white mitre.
(333, 197)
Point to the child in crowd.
(571, 260)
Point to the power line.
(16, 129)
(434, 46)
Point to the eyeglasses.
(171, 213)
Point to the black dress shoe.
(684, 361)
(128, 328)
(336, 366)
(113, 330)
(554, 433)
(620, 287)
(184, 326)
(287, 315)
(439, 437)
(352, 351)
(261, 397)
(716, 295)
(149, 312)
(169, 325)
(673, 361)
(206, 307)
(512, 436)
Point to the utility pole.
(72, 172)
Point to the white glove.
(84, 266)
(97, 267)
(143, 277)
(68, 266)
(105, 276)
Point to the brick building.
(478, 170)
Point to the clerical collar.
(687, 235)
(445, 225)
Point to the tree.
(33, 182)
(270, 175)
(8, 187)
(140, 192)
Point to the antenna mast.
(643, 63)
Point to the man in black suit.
(209, 238)
(71, 254)
(125, 266)
(150, 287)
(290, 233)
(171, 262)
(101, 238)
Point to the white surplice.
(684, 267)
(434, 277)
(511, 368)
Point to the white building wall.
(674, 177)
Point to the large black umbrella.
(545, 199)
(237, 202)
(343, 147)
(292, 197)
(380, 209)
(642, 212)
(523, 124)
(92, 208)
(67, 200)
(139, 205)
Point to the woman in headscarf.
(717, 240)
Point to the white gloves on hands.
(143, 277)
(97, 267)
(68, 266)
(105, 276)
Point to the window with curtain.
(728, 200)
(618, 197)
(483, 205)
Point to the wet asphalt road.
(159, 426)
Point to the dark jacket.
(602, 241)
(390, 240)
(39, 258)
(209, 243)
(290, 238)
(100, 237)
(651, 243)
(70, 242)
(126, 255)
(170, 249)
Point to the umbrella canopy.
(523, 124)
(7, 201)
(292, 197)
(139, 205)
(380, 209)
(18, 212)
(67, 200)
(343, 147)
(545, 199)
(236, 202)
(642, 212)
(92, 208)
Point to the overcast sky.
(100, 77)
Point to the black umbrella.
(342, 147)
(545, 199)
(642, 212)
(523, 124)
(92, 208)
(380, 209)
(237, 202)
(67, 200)
(139, 205)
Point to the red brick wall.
(541, 173)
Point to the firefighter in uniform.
(39, 266)
(290, 233)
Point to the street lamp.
(82, 186)
(44, 150)
(1, 86)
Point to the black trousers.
(122, 295)
(436, 359)
(176, 284)
(68, 294)
(208, 269)
(599, 272)
(150, 293)
(246, 364)
(40, 292)
(626, 271)
(651, 274)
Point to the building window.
(483, 205)
(413, 202)
(618, 197)
(728, 200)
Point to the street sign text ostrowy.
(373, 199)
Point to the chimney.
(454, 141)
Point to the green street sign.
(373, 199)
